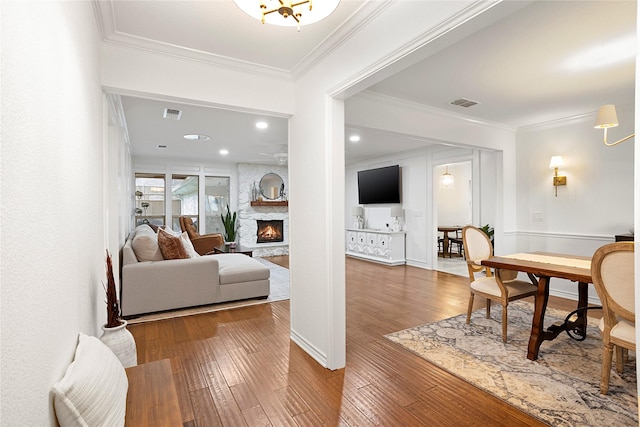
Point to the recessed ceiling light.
(262, 125)
(162, 147)
(194, 137)
(354, 138)
(224, 152)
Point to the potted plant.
(230, 228)
(115, 334)
(488, 230)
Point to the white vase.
(121, 342)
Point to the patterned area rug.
(561, 388)
(278, 291)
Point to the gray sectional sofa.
(149, 283)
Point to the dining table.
(446, 229)
(541, 267)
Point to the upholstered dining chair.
(612, 271)
(503, 287)
(201, 243)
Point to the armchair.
(201, 243)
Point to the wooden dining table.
(446, 229)
(541, 267)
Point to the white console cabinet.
(386, 247)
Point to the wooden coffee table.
(227, 249)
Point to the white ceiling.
(517, 69)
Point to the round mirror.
(271, 186)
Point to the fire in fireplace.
(270, 231)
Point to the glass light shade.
(556, 162)
(446, 180)
(321, 9)
(396, 211)
(607, 117)
(357, 211)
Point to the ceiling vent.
(466, 103)
(170, 113)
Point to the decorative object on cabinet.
(271, 186)
(396, 212)
(358, 212)
(385, 247)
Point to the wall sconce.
(607, 118)
(358, 212)
(446, 179)
(396, 212)
(557, 162)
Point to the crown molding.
(358, 19)
(105, 18)
(106, 26)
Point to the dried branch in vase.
(113, 308)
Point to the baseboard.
(309, 348)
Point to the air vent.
(466, 103)
(170, 113)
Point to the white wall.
(598, 200)
(53, 237)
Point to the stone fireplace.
(250, 217)
(270, 231)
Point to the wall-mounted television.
(381, 185)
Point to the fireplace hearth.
(270, 231)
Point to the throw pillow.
(93, 391)
(145, 245)
(188, 245)
(171, 246)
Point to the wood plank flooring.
(239, 368)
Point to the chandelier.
(287, 12)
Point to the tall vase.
(121, 342)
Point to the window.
(215, 202)
(149, 199)
(184, 199)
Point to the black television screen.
(381, 185)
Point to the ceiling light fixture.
(446, 179)
(262, 125)
(607, 118)
(265, 11)
(224, 152)
(354, 138)
(196, 137)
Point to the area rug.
(561, 388)
(279, 290)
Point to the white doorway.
(454, 194)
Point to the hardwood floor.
(239, 368)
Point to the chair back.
(612, 271)
(186, 224)
(477, 247)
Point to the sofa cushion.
(145, 244)
(93, 391)
(171, 246)
(188, 246)
(238, 268)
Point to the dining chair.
(456, 242)
(612, 271)
(502, 287)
